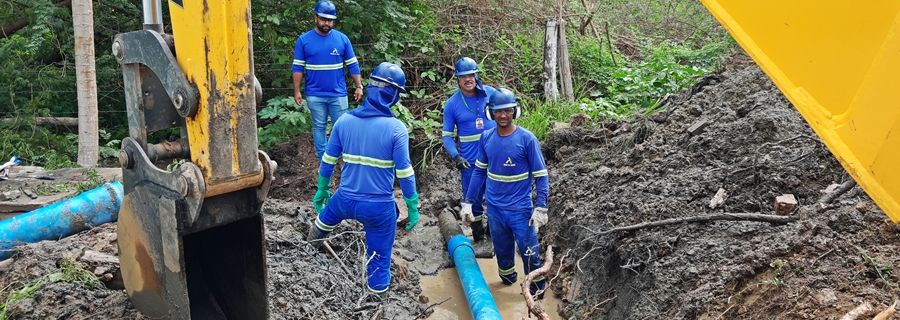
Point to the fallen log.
(47, 121)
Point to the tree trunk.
(565, 67)
(86, 82)
(551, 93)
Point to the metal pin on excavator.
(191, 240)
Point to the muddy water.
(509, 298)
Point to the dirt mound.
(735, 132)
(295, 178)
(303, 283)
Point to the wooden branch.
(47, 121)
(612, 53)
(829, 198)
(533, 307)
(8, 30)
(713, 217)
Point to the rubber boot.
(314, 236)
(477, 230)
(484, 248)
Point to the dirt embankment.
(738, 133)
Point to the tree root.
(534, 307)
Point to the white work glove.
(465, 212)
(538, 218)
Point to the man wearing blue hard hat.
(320, 56)
(509, 159)
(375, 147)
(464, 122)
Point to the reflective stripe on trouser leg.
(529, 248)
(333, 214)
(379, 223)
(379, 220)
(504, 244)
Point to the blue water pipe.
(62, 218)
(481, 302)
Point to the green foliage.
(429, 125)
(780, 269)
(877, 267)
(288, 120)
(38, 146)
(669, 69)
(69, 271)
(93, 180)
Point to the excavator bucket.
(191, 236)
(839, 64)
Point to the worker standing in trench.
(509, 157)
(464, 113)
(375, 146)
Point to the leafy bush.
(288, 120)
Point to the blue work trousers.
(320, 109)
(478, 205)
(379, 220)
(510, 229)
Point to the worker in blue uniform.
(464, 121)
(375, 147)
(320, 56)
(509, 158)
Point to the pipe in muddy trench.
(62, 218)
(478, 295)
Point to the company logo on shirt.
(335, 52)
(509, 162)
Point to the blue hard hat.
(464, 66)
(326, 9)
(391, 74)
(502, 99)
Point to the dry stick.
(533, 307)
(888, 313)
(770, 218)
(857, 312)
(334, 254)
(424, 311)
(722, 216)
(377, 313)
(829, 198)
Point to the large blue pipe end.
(481, 302)
(62, 218)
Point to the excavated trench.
(733, 132)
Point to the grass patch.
(69, 271)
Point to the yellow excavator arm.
(191, 236)
(838, 62)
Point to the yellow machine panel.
(839, 64)
(214, 49)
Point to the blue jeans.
(320, 108)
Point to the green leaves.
(288, 120)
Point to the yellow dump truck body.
(838, 62)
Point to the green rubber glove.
(412, 210)
(320, 199)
